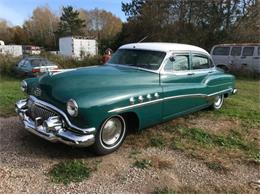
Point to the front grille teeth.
(37, 111)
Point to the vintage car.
(143, 84)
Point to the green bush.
(7, 63)
(69, 171)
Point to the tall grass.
(7, 63)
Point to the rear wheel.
(111, 135)
(218, 102)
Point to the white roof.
(165, 47)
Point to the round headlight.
(23, 86)
(72, 107)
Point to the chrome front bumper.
(54, 128)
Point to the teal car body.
(142, 96)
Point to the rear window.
(236, 51)
(37, 62)
(248, 51)
(221, 51)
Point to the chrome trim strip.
(133, 106)
(50, 106)
(134, 67)
(169, 98)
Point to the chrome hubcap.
(218, 101)
(111, 131)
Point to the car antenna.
(143, 39)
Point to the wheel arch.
(132, 121)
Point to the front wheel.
(111, 135)
(218, 102)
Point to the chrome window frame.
(190, 70)
(160, 70)
(204, 70)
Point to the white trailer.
(77, 47)
(14, 50)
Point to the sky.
(16, 11)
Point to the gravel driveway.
(26, 160)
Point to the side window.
(258, 51)
(221, 51)
(21, 63)
(201, 62)
(248, 51)
(236, 51)
(26, 63)
(180, 62)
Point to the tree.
(70, 22)
(6, 33)
(41, 27)
(202, 23)
(20, 36)
(103, 26)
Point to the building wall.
(65, 46)
(77, 46)
(14, 50)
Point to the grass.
(216, 166)
(245, 105)
(69, 171)
(191, 138)
(142, 164)
(9, 93)
(158, 142)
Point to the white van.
(237, 57)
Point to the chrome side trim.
(135, 105)
(134, 67)
(50, 106)
(169, 98)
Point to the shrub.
(142, 164)
(70, 171)
(7, 63)
(69, 62)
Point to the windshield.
(138, 58)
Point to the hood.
(93, 80)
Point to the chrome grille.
(37, 111)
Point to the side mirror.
(172, 58)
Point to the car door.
(18, 66)
(26, 67)
(247, 58)
(235, 57)
(256, 60)
(220, 55)
(179, 86)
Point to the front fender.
(95, 107)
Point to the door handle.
(243, 57)
(191, 73)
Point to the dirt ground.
(26, 160)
